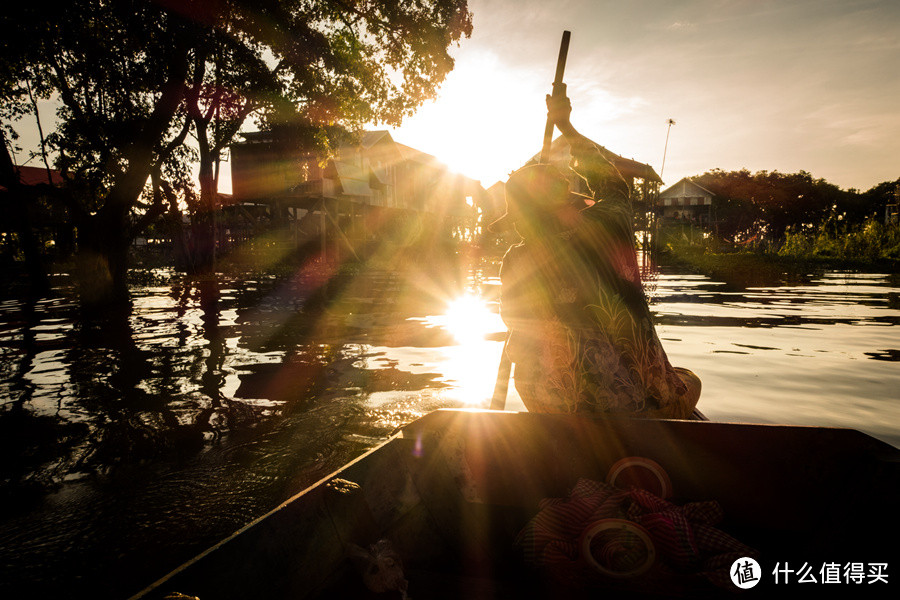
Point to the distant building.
(32, 176)
(378, 172)
(363, 186)
(30, 218)
(686, 200)
(892, 209)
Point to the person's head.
(537, 197)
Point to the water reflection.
(469, 319)
(813, 354)
(198, 359)
(471, 364)
(832, 299)
(168, 425)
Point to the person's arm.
(559, 110)
(615, 254)
(602, 176)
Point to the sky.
(783, 85)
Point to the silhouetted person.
(582, 337)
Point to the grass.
(869, 246)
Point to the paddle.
(501, 387)
(559, 89)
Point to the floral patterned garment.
(582, 336)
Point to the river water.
(133, 439)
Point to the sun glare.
(472, 363)
(469, 320)
(484, 121)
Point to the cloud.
(762, 85)
(850, 124)
(682, 26)
(602, 105)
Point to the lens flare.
(469, 320)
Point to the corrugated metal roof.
(412, 154)
(686, 187)
(380, 175)
(370, 138)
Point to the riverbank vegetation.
(791, 222)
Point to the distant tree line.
(797, 214)
(147, 89)
(769, 203)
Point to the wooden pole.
(322, 227)
(559, 89)
(501, 388)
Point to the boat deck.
(453, 489)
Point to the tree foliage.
(133, 78)
(769, 203)
(872, 203)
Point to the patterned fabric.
(582, 337)
(685, 538)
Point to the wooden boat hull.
(453, 488)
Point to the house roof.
(256, 136)
(370, 138)
(494, 200)
(415, 155)
(560, 151)
(37, 176)
(686, 188)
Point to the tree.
(133, 76)
(767, 203)
(872, 203)
(117, 70)
(737, 216)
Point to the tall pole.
(670, 122)
(662, 167)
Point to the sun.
(486, 122)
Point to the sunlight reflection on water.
(255, 405)
(471, 365)
(817, 353)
